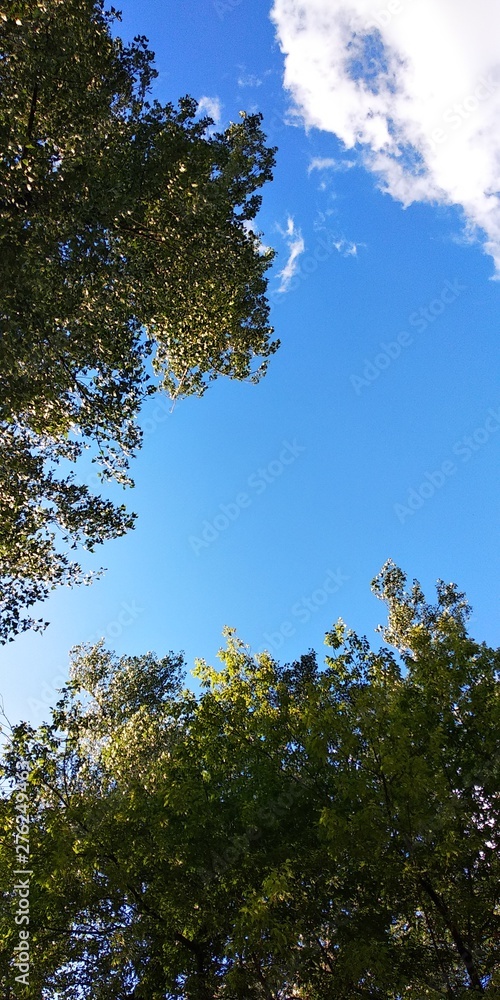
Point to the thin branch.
(438, 954)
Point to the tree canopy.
(292, 831)
(127, 251)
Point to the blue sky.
(376, 432)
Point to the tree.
(289, 832)
(126, 240)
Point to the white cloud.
(327, 163)
(212, 107)
(251, 227)
(346, 248)
(296, 247)
(249, 80)
(415, 84)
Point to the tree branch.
(460, 945)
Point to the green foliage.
(290, 832)
(125, 242)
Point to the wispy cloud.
(249, 80)
(415, 86)
(212, 107)
(328, 163)
(347, 248)
(296, 247)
